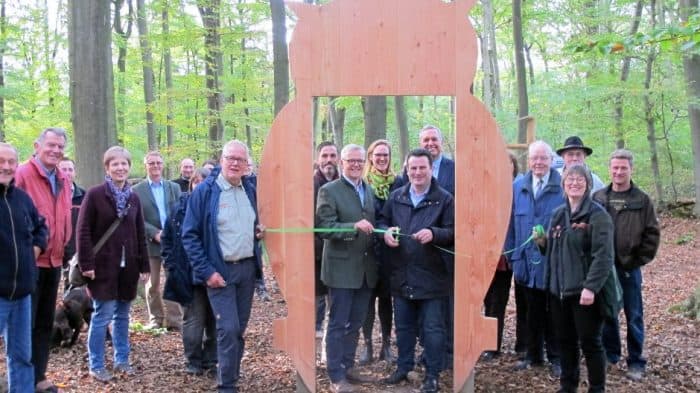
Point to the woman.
(496, 298)
(580, 250)
(198, 325)
(114, 270)
(383, 180)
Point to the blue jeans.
(631, 282)
(431, 315)
(348, 309)
(199, 331)
(16, 327)
(106, 311)
(231, 305)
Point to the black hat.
(574, 142)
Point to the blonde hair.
(370, 151)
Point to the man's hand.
(389, 237)
(144, 276)
(37, 252)
(216, 281)
(260, 231)
(89, 274)
(587, 297)
(156, 237)
(364, 226)
(424, 236)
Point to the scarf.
(121, 196)
(380, 182)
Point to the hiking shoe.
(635, 373)
(101, 375)
(124, 368)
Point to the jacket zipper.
(14, 243)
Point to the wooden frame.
(385, 47)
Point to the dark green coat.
(348, 257)
(579, 249)
(151, 216)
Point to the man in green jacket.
(348, 266)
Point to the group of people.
(388, 239)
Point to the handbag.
(75, 275)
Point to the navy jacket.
(419, 271)
(21, 228)
(528, 263)
(178, 284)
(200, 235)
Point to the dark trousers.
(199, 331)
(429, 315)
(348, 308)
(539, 328)
(579, 324)
(520, 319)
(43, 309)
(385, 311)
(631, 282)
(231, 305)
(496, 300)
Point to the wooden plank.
(385, 47)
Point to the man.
(535, 196)
(23, 236)
(348, 268)
(158, 196)
(637, 238)
(220, 235)
(186, 171)
(575, 152)
(419, 277)
(50, 191)
(430, 139)
(67, 167)
(326, 171)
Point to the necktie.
(538, 190)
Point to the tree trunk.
(121, 58)
(169, 131)
(624, 74)
(148, 79)
(3, 43)
(374, 109)
(523, 106)
(691, 66)
(210, 12)
(492, 87)
(402, 125)
(92, 87)
(649, 114)
(530, 67)
(336, 122)
(279, 54)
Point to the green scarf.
(380, 182)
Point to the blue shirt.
(436, 166)
(51, 174)
(159, 196)
(415, 197)
(359, 189)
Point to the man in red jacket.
(51, 193)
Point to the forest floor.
(672, 345)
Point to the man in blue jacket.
(220, 235)
(535, 196)
(23, 236)
(419, 276)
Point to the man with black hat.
(575, 152)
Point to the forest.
(182, 76)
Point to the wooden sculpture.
(385, 47)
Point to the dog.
(71, 312)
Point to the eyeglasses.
(380, 154)
(155, 163)
(577, 180)
(235, 160)
(355, 162)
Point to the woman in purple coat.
(114, 270)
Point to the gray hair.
(351, 147)
(623, 154)
(430, 127)
(9, 146)
(236, 142)
(56, 130)
(540, 144)
(152, 153)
